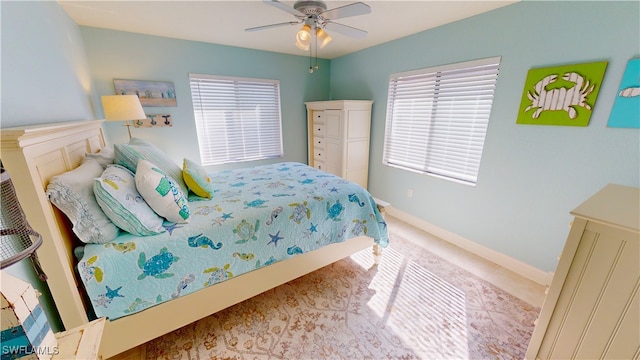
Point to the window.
(237, 119)
(437, 119)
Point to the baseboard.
(530, 272)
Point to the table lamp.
(123, 108)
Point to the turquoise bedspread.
(257, 216)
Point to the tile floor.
(515, 284)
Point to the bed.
(297, 234)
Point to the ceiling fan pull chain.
(310, 64)
(315, 36)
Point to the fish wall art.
(626, 107)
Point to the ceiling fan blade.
(272, 26)
(354, 9)
(284, 7)
(346, 30)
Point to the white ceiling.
(223, 22)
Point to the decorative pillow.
(72, 193)
(161, 192)
(128, 155)
(104, 157)
(116, 194)
(197, 179)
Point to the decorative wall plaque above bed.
(151, 93)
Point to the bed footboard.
(133, 330)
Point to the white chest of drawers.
(338, 138)
(592, 310)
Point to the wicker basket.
(17, 239)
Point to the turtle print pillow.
(128, 156)
(161, 192)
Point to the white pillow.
(161, 192)
(116, 194)
(72, 193)
(104, 157)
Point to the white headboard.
(32, 155)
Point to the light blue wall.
(45, 74)
(122, 55)
(45, 79)
(530, 176)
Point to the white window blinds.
(437, 118)
(236, 119)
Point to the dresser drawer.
(318, 142)
(318, 129)
(318, 117)
(318, 164)
(318, 154)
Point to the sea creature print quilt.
(257, 216)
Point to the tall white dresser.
(592, 309)
(338, 138)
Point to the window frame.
(238, 111)
(450, 105)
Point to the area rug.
(413, 305)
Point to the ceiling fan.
(315, 17)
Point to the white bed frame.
(33, 154)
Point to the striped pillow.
(128, 155)
(116, 193)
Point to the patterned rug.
(413, 305)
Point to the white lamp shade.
(303, 38)
(122, 108)
(323, 38)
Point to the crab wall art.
(561, 95)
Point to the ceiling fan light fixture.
(315, 17)
(323, 37)
(303, 38)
